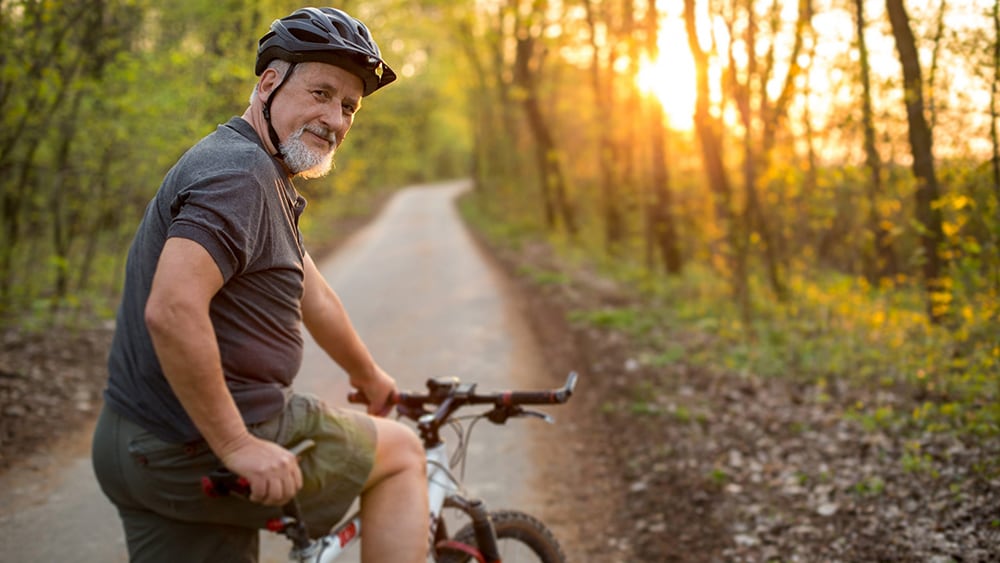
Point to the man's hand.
(378, 388)
(272, 471)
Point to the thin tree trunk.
(661, 214)
(935, 59)
(553, 182)
(710, 139)
(98, 221)
(994, 86)
(611, 210)
(928, 216)
(627, 150)
(61, 204)
(13, 210)
(880, 259)
(994, 137)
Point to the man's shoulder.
(227, 151)
(227, 146)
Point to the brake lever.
(499, 415)
(538, 414)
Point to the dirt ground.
(656, 464)
(678, 463)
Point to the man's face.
(312, 114)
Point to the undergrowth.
(833, 332)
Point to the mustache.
(323, 132)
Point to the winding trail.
(426, 302)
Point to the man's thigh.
(152, 538)
(164, 478)
(336, 469)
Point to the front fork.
(443, 492)
(485, 550)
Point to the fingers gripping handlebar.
(223, 482)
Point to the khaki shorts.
(156, 485)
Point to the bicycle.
(506, 536)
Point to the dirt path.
(429, 304)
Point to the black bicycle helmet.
(325, 35)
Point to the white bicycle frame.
(441, 484)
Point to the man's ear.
(266, 83)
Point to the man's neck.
(255, 117)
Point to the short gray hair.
(278, 65)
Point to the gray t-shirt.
(231, 197)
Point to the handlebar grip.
(549, 397)
(359, 398)
(223, 482)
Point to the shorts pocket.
(151, 452)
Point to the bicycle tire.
(520, 538)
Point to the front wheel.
(520, 538)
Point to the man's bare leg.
(394, 510)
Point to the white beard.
(304, 161)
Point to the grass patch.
(832, 332)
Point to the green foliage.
(833, 329)
(544, 277)
(682, 414)
(870, 486)
(823, 282)
(98, 99)
(622, 318)
(672, 354)
(915, 461)
(718, 477)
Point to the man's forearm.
(330, 326)
(189, 356)
(328, 323)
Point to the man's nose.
(334, 120)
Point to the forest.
(811, 185)
(814, 182)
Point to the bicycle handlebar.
(412, 404)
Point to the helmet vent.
(325, 35)
(308, 36)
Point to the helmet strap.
(275, 141)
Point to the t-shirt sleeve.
(223, 214)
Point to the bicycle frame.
(443, 488)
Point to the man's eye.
(321, 95)
(350, 109)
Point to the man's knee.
(397, 448)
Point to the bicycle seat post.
(296, 529)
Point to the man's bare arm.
(177, 315)
(324, 315)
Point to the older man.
(208, 337)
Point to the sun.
(671, 77)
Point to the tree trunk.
(880, 259)
(661, 215)
(935, 60)
(928, 216)
(553, 182)
(63, 206)
(603, 93)
(994, 87)
(710, 140)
